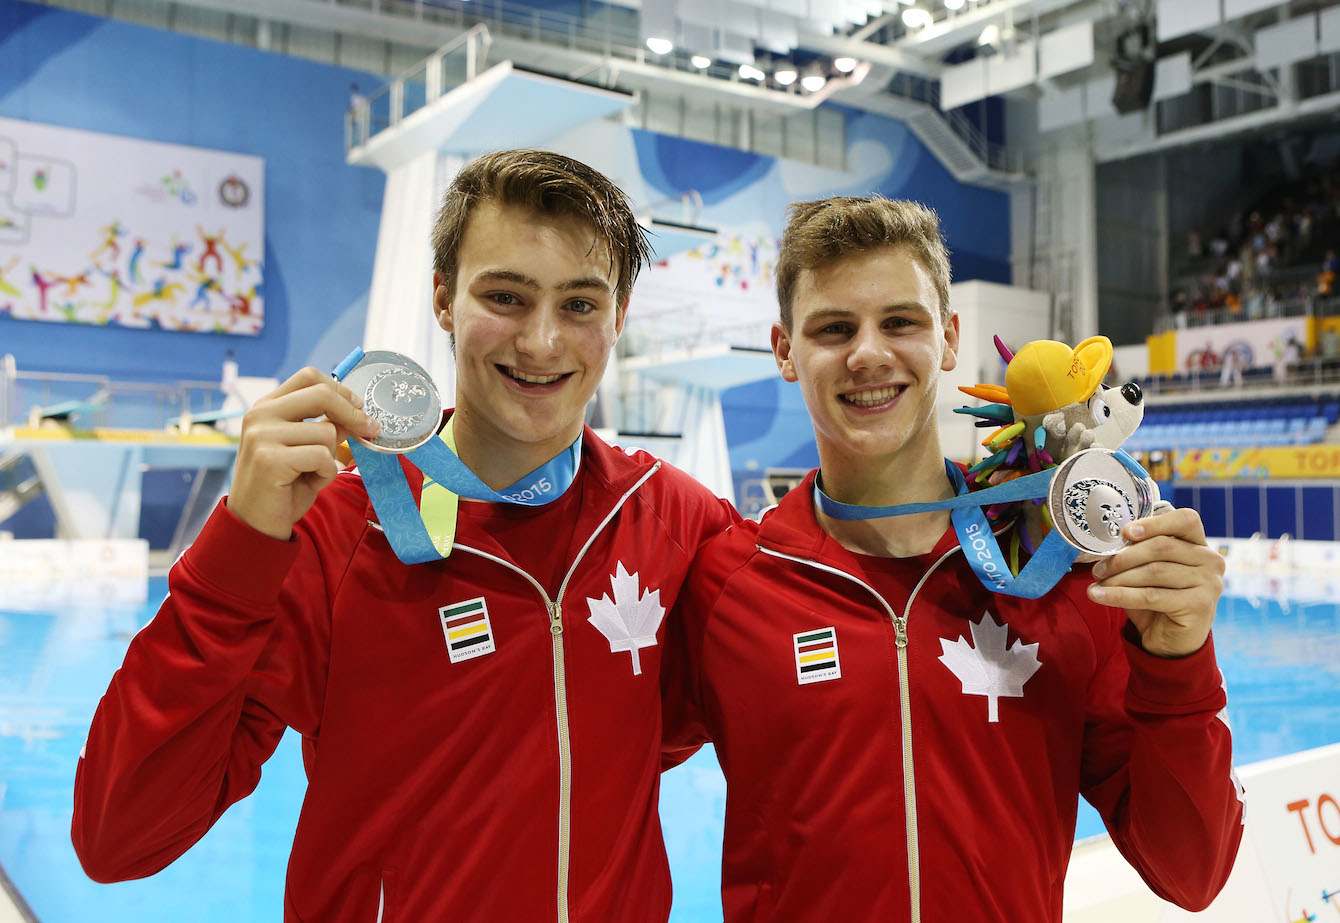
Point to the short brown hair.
(826, 230)
(551, 184)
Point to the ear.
(781, 351)
(950, 360)
(620, 315)
(442, 303)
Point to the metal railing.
(1321, 372)
(605, 36)
(455, 63)
(996, 157)
(112, 403)
(1269, 309)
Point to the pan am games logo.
(169, 187)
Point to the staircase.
(954, 140)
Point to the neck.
(495, 457)
(913, 474)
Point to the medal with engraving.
(1093, 495)
(399, 395)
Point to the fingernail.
(1135, 530)
(1096, 592)
(1100, 569)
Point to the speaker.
(1135, 86)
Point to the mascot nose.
(1131, 391)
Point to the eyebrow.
(520, 278)
(915, 307)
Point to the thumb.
(1142, 619)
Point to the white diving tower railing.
(455, 63)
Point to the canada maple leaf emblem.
(629, 620)
(986, 668)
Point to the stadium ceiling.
(920, 61)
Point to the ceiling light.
(702, 62)
(750, 72)
(914, 17)
(844, 65)
(814, 78)
(660, 45)
(954, 5)
(990, 35)
(785, 75)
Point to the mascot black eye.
(1098, 407)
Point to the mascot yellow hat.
(1046, 375)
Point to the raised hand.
(288, 449)
(1168, 580)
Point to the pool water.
(1281, 659)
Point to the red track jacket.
(901, 745)
(475, 749)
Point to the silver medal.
(1093, 496)
(399, 395)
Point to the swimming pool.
(1280, 656)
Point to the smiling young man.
(480, 733)
(900, 744)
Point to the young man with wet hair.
(900, 744)
(480, 732)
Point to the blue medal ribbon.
(399, 516)
(1043, 571)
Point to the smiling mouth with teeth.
(872, 397)
(526, 378)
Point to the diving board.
(504, 107)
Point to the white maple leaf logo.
(628, 621)
(988, 668)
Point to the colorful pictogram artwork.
(81, 244)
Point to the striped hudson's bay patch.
(467, 629)
(816, 655)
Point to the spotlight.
(844, 65)
(814, 79)
(785, 74)
(660, 45)
(750, 72)
(914, 17)
(990, 35)
(702, 62)
(954, 5)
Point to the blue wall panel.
(1246, 510)
(1319, 513)
(1213, 507)
(1184, 496)
(1281, 511)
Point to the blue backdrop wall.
(68, 69)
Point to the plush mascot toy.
(1053, 406)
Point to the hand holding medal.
(287, 452)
